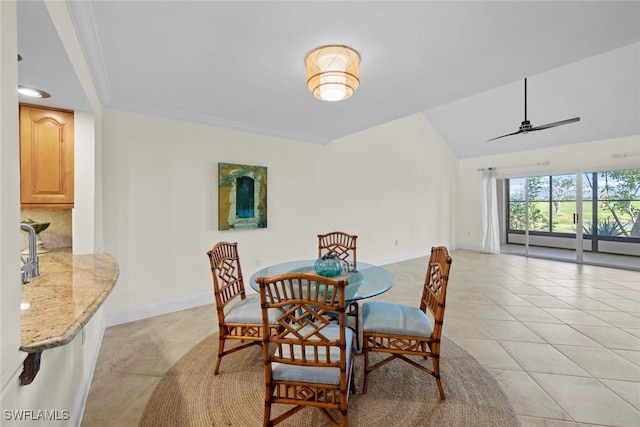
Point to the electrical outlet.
(396, 242)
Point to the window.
(537, 189)
(552, 202)
(618, 203)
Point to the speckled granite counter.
(62, 300)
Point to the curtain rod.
(545, 163)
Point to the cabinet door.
(46, 157)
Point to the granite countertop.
(69, 290)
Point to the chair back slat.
(228, 282)
(303, 302)
(435, 287)
(342, 244)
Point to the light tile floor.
(562, 339)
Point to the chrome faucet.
(30, 266)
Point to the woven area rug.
(398, 395)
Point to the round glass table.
(366, 282)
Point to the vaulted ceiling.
(240, 64)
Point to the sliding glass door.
(589, 217)
(545, 216)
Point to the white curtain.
(489, 202)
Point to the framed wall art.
(242, 196)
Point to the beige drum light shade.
(333, 72)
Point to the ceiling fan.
(526, 126)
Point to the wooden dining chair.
(239, 316)
(401, 331)
(343, 246)
(309, 362)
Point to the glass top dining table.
(366, 282)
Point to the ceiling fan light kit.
(32, 92)
(333, 72)
(526, 126)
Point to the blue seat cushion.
(311, 374)
(248, 311)
(395, 319)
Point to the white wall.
(393, 182)
(85, 183)
(10, 357)
(584, 157)
(393, 185)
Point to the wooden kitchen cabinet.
(46, 157)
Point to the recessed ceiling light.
(32, 93)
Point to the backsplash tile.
(58, 234)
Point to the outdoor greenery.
(606, 227)
(620, 195)
(552, 203)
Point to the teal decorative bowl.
(328, 266)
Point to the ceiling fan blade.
(526, 127)
(554, 124)
(509, 134)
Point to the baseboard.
(117, 318)
(475, 248)
(82, 396)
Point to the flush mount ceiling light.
(32, 93)
(333, 72)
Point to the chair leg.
(436, 374)
(344, 421)
(352, 384)
(366, 365)
(268, 395)
(267, 415)
(220, 353)
(355, 312)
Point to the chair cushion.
(310, 374)
(248, 311)
(395, 319)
